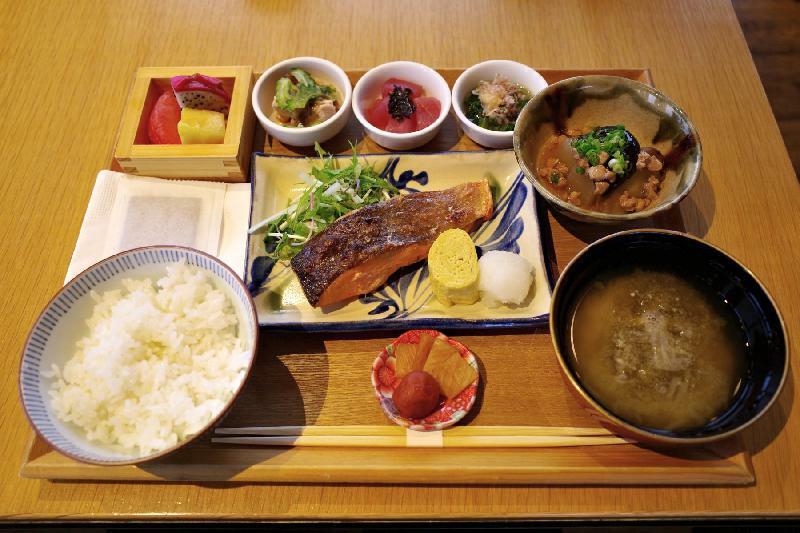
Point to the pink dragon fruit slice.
(201, 92)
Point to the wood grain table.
(65, 69)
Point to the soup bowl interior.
(766, 356)
(591, 101)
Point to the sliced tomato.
(428, 110)
(388, 86)
(162, 126)
(406, 125)
(378, 114)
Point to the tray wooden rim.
(735, 470)
(727, 463)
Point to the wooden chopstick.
(390, 431)
(395, 436)
(397, 441)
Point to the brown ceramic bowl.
(592, 101)
(766, 349)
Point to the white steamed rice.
(158, 364)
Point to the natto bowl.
(766, 349)
(592, 101)
(63, 321)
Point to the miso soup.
(655, 349)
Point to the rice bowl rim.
(250, 312)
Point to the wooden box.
(221, 162)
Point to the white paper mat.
(127, 212)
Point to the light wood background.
(65, 69)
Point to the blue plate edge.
(417, 323)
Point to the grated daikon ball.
(505, 278)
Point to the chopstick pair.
(393, 436)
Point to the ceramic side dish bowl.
(63, 322)
(264, 92)
(368, 89)
(469, 79)
(592, 101)
(761, 325)
(448, 412)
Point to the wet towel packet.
(128, 212)
(150, 211)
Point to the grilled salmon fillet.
(358, 252)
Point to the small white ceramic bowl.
(264, 92)
(63, 322)
(469, 79)
(368, 89)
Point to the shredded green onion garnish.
(334, 190)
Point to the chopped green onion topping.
(613, 142)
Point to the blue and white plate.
(406, 301)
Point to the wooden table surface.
(65, 71)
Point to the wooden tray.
(308, 379)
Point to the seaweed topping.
(401, 106)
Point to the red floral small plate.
(384, 382)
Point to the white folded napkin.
(127, 212)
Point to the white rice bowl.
(160, 361)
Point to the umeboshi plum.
(417, 395)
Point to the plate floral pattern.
(384, 383)
(406, 300)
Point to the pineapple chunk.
(200, 126)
